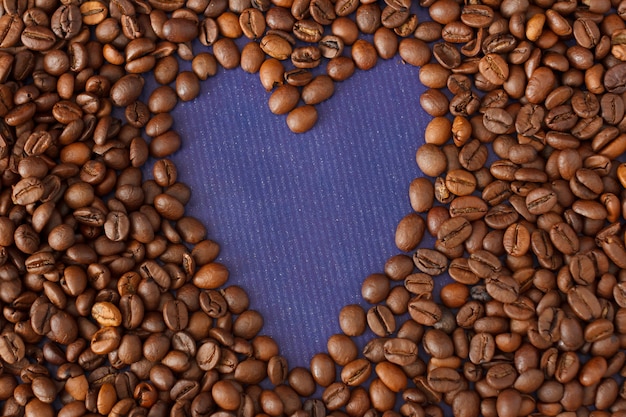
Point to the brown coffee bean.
(454, 231)
(210, 276)
(434, 102)
(381, 321)
(583, 302)
(105, 340)
(438, 344)
(352, 320)
(301, 380)
(400, 351)
(302, 119)
(298, 77)
(227, 53)
(336, 395)
(252, 23)
(391, 376)
(277, 370)
(276, 46)
(482, 348)
(425, 312)
(126, 90)
(284, 99)
(187, 86)
(306, 57)
(322, 369)
(409, 232)
(364, 54)
(430, 261)
(460, 182)
(421, 194)
(226, 395)
(331, 46)
(12, 348)
(444, 379)
(175, 315)
(591, 372)
(341, 349)
(356, 372)
(318, 89)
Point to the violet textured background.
(303, 219)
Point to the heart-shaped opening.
(302, 219)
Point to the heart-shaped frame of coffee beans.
(524, 146)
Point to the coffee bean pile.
(114, 303)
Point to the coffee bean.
(298, 77)
(381, 321)
(252, 23)
(430, 261)
(12, 348)
(301, 119)
(503, 288)
(391, 376)
(276, 46)
(301, 380)
(322, 369)
(227, 53)
(306, 57)
(364, 54)
(421, 194)
(482, 348)
(409, 232)
(126, 90)
(454, 231)
(210, 276)
(356, 372)
(444, 379)
(352, 320)
(284, 99)
(331, 46)
(318, 89)
(424, 312)
(277, 369)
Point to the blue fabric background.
(303, 219)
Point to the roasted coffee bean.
(424, 311)
(356, 372)
(381, 321)
(126, 90)
(322, 369)
(318, 89)
(503, 288)
(298, 77)
(284, 99)
(301, 119)
(364, 54)
(444, 379)
(430, 261)
(454, 231)
(400, 351)
(494, 68)
(277, 370)
(352, 320)
(341, 349)
(331, 46)
(306, 57)
(497, 121)
(335, 396)
(276, 46)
